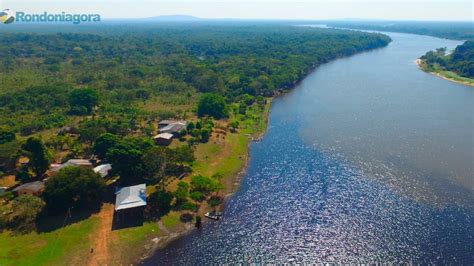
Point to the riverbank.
(232, 166)
(447, 75)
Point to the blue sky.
(263, 9)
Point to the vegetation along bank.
(90, 113)
(457, 66)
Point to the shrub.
(204, 184)
(197, 196)
(25, 211)
(214, 201)
(159, 203)
(186, 217)
(6, 136)
(189, 206)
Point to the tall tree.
(212, 105)
(104, 143)
(38, 155)
(73, 187)
(83, 100)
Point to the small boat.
(213, 215)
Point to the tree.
(155, 160)
(6, 135)
(213, 105)
(204, 184)
(38, 155)
(82, 101)
(73, 187)
(190, 126)
(91, 130)
(205, 134)
(104, 143)
(159, 203)
(234, 125)
(25, 211)
(181, 193)
(183, 154)
(127, 162)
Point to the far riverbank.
(447, 75)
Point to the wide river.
(369, 159)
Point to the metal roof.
(71, 162)
(174, 127)
(33, 186)
(103, 169)
(163, 136)
(130, 197)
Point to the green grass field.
(64, 246)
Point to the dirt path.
(100, 254)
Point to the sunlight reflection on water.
(329, 184)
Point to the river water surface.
(369, 159)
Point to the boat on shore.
(213, 215)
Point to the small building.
(32, 188)
(68, 130)
(133, 197)
(174, 128)
(164, 139)
(164, 123)
(103, 169)
(84, 163)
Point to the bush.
(204, 184)
(205, 135)
(6, 136)
(25, 211)
(214, 201)
(197, 196)
(159, 203)
(186, 217)
(189, 206)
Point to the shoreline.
(161, 242)
(420, 65)
(235, 181)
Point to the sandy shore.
(419, 63)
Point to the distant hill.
(174, 18)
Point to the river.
(369, 159)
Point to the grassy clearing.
(66, 245)
(170, 220)
(126, 245)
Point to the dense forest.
(130, 64)
(449, 30)
(460, 61)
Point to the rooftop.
(103, 169)
(163, 136)
(174, 127)
(33, 186)
(130, 197)
(71, 162)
